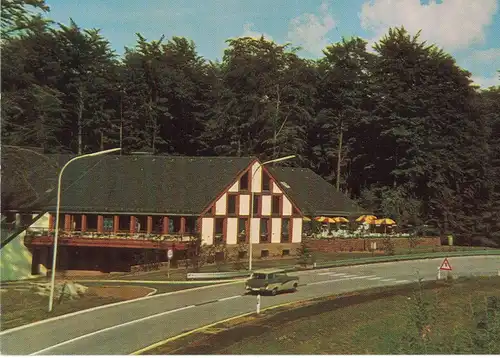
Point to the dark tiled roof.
(146, 183)
(29, 177)
(314, 195)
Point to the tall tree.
(264, 102)
(343, 98)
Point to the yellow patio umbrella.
(324, 219)
(306, 219)
(385, 221)
(340, 219)
(367, 219)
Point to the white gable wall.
(244, 204)
(275, 230)
(257, 178)
(297, 230)
(235, 188)
(266, 205)
(220, 205)
(207, 231)
(231, 231)
(287, 206)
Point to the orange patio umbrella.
(340, 219)
(385, 221)
(324, 219)
(367, 219)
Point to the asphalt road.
(125, 328)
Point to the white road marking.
(337, 280)
(331, 274)
(228, 298)
(388, 279)
(401, 281)
(366, 276)
(110, 328)
(374, 278)
(348, 276)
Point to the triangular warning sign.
(445, 265)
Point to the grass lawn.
(376, 321)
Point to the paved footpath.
(127, 327)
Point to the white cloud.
(310, 31)
(451, 24)
(486, 82)
(490, 56)
(248, 32)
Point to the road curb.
(163, 282)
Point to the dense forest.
(401, 129)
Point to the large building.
(114, 207)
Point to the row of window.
(244, 183)
(174, 223)
(276, 204)
(242, 230)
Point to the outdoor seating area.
(322, 227)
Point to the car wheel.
(274, 292)
(295, 285)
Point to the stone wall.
(348, 245)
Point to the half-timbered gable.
(275, 218)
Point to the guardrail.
(216, 275)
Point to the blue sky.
(468, 29)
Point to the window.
(285, 252)
(157, 224)
(124, 223)
(275, 205)
(108, 223)
(141, 223)
(264, 232)
(242, 230)
(231, 204)
(285, 230)
(242, 254)
(266, 181)
(265, 253)
(219, 231)
(256, 204)
(76, 222)
(190, 224)
(174, 224)
(91, 222)
(244, 181)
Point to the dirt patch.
(120, 292)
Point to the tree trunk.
(121, 122)
(80, 105)
(339, 157)
(276, 117)
(102, 140)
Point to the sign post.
(258, 303)
(445, 266)
(170, 254)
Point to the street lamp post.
(56, 235)
(251, 205)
